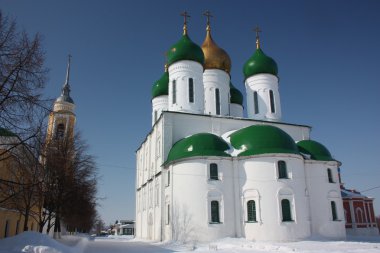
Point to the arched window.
(285, 208)
(359, 215)
(329, 174)
(251, 211)
(217, 102)
(282, 171)
(215, 211)
(60, 132)
(214, 171)
(271, 97)
(174, 95)
(256, 102)
(191, 90)
(333, 211)
(155, 115)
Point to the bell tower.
(62, 118)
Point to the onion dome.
(161, 86)
(315, 150)
(185, 48)
(235, 95)
(6, 133)
(65, 94)
(201, 144)
(262, 139)
(215, 57)
(259, 63)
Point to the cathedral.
(205, 171)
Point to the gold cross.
(208, 15)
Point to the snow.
(34, 242)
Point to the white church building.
(205, 171)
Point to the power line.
(371, 188)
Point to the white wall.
(159, 104)
(259, 181)
(216, 79)
(193, 192)
(236, 110)
(181, 71)
(321, 193)
(262, 84)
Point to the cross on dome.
(257, 30)
(208, 16)
(185, 16)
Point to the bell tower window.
(60, 132)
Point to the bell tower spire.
(62, 118)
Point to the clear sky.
(328, 55)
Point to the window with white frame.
(286, 210)
(214, 171)
(333, 211)
(215, 216)
(251, 211)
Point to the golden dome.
(215, 57)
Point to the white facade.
(236, 110)
(186, 92)
(159, 104)
(263, 97)
(174, 201)
(217, 92)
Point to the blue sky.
(327, 52)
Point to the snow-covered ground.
(33, 242)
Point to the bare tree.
(22, 79)
(71, 178)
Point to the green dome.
(185, 49)
(315, 149)
(201, 144)
(236, 96)
(6, 132)
(161, 86)
(263, 139)
(260, 63)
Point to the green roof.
(6, 132)
(236, 96)
(161, 86)
(260, 63)
(185, 49)
(201, 144)
(263, 139)
(315, 149)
